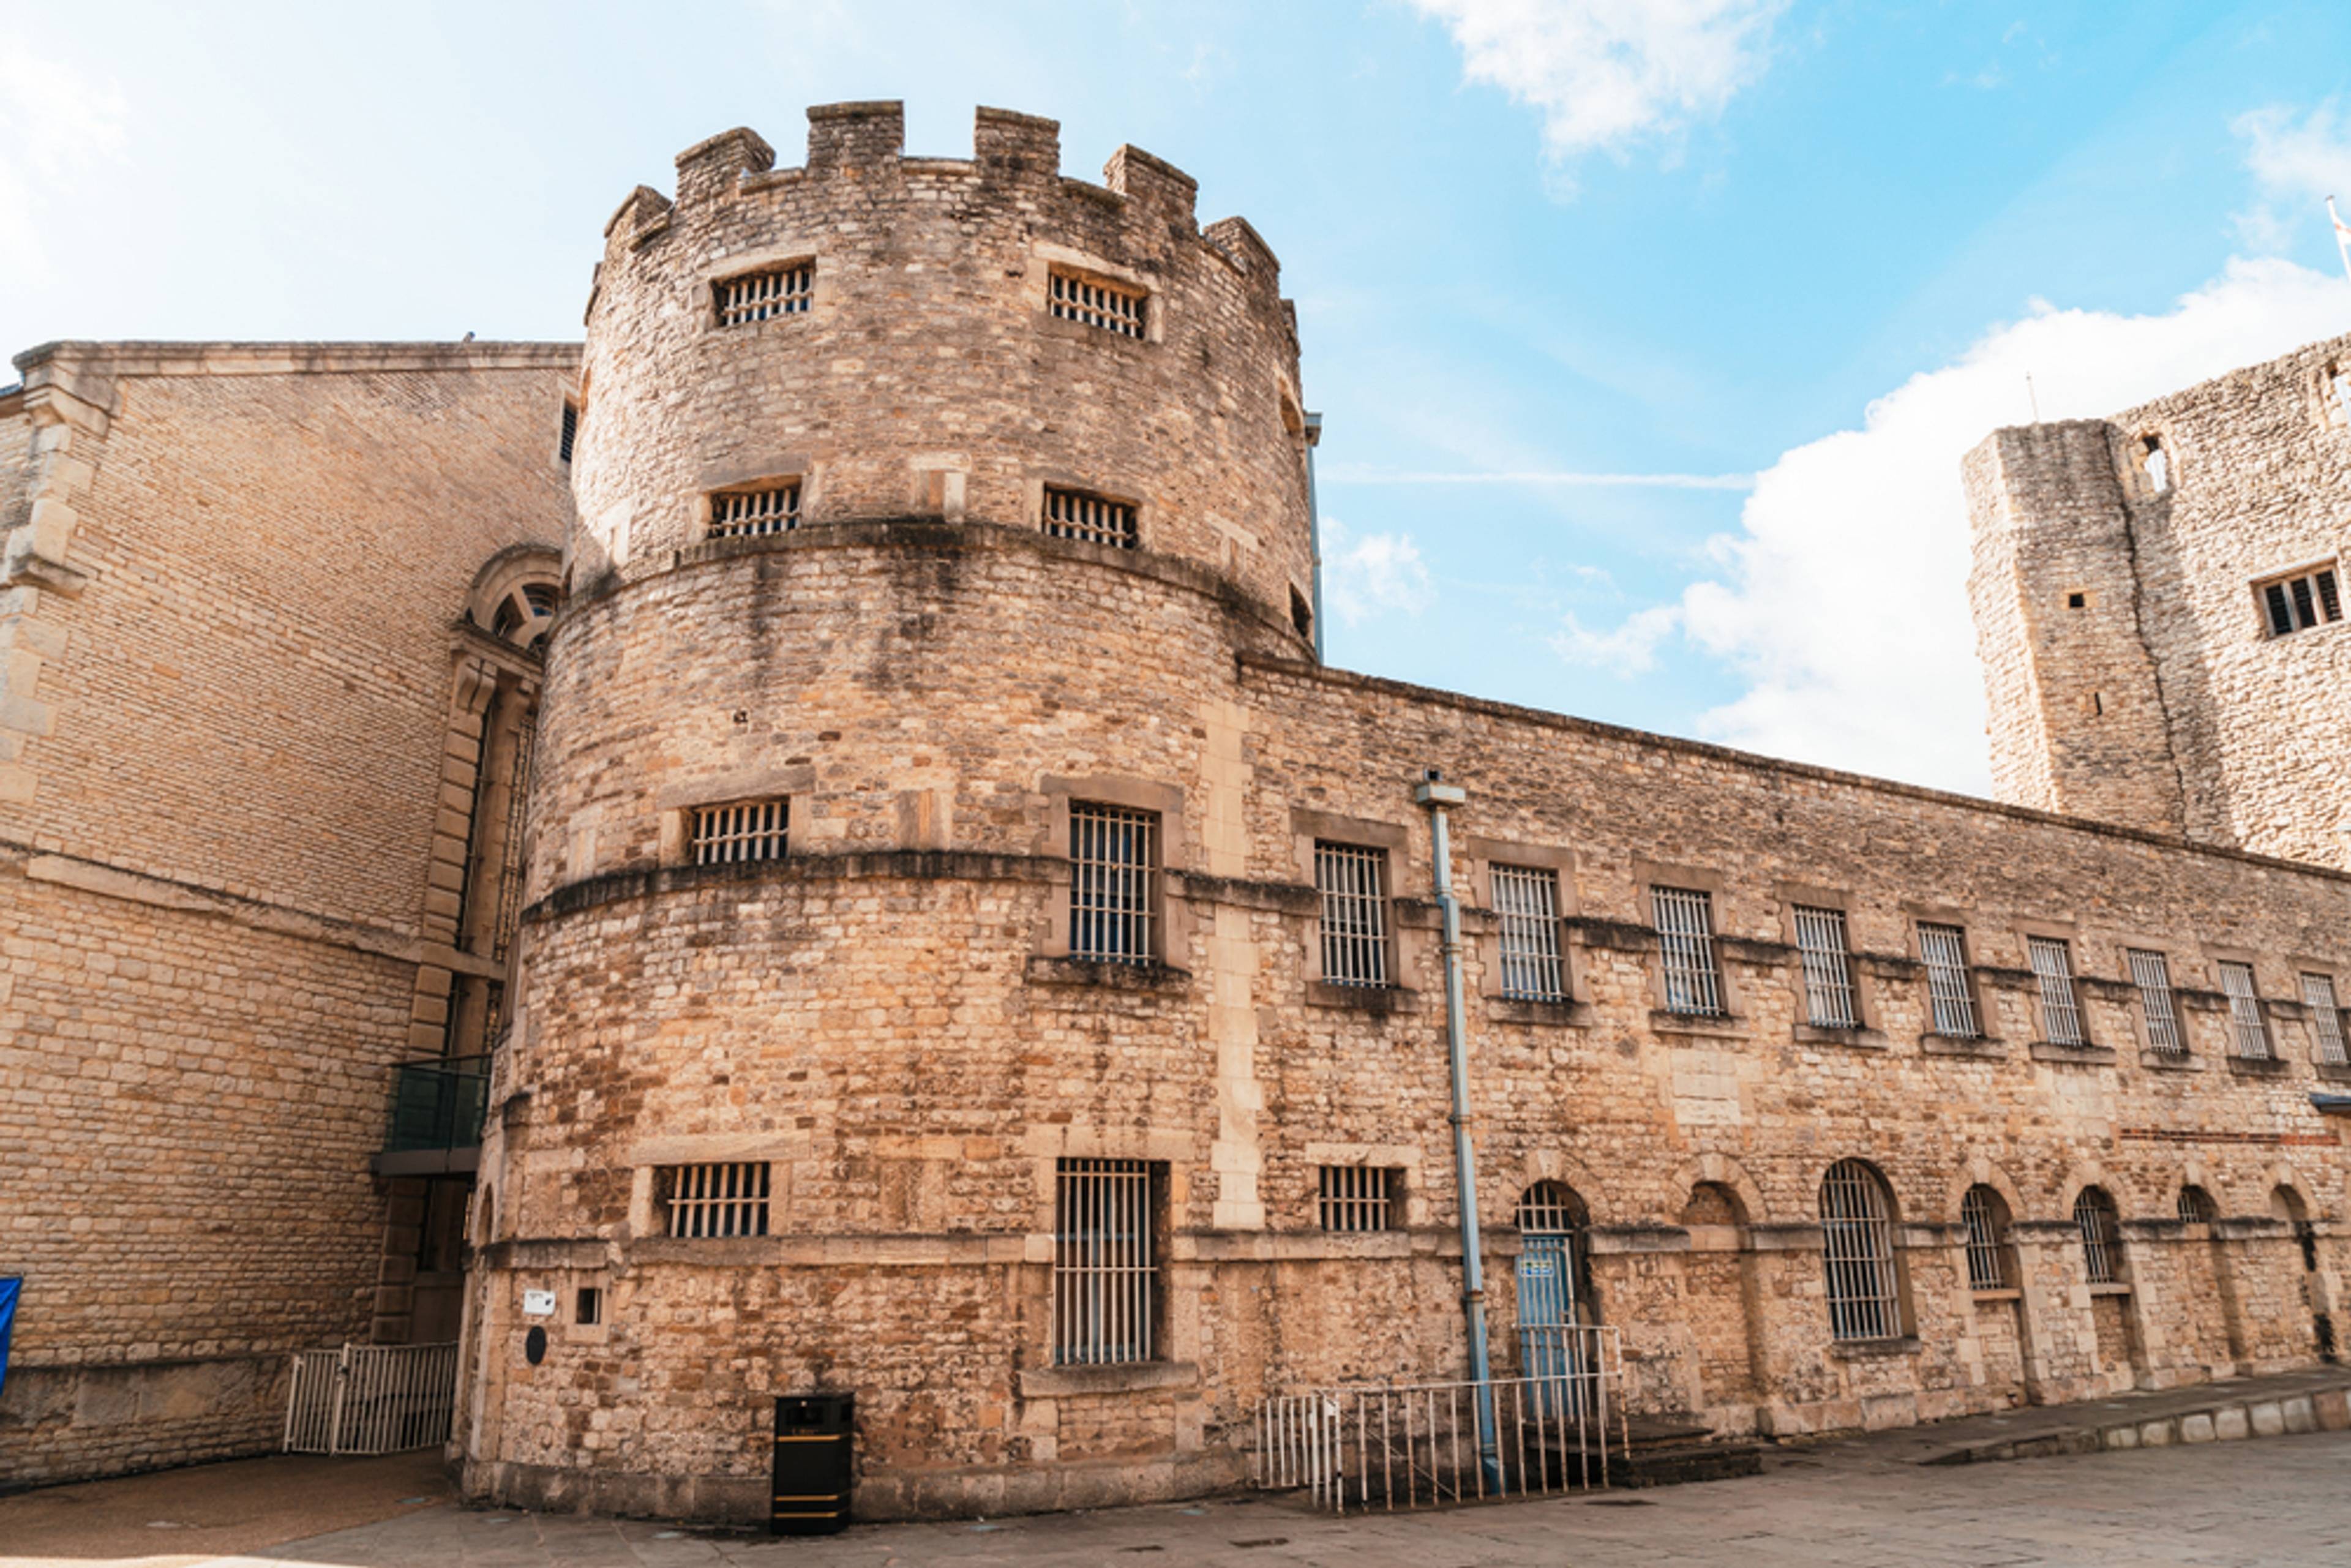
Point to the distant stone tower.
(2158, 608)
(923, 504)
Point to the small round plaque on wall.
(534, 1345)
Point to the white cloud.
(1607, 73)
(2297, 163)
(1843, 599)
(55, 124)
(1630, 650)
(1372, 575)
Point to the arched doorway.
(1554, 1293)
(2287, 1204)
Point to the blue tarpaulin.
(8, 1322)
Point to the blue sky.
(1646, 332)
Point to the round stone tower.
(925, 508)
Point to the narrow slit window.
(1113, 878)
(1352, 881)
(1945, 950)
(1857, 1253)
(1828, 967)
(2325, 1018)
(1527, 899)
(2247, 1026)
(2151, 973)
(1112, 307)
(1356, 1198)
(1105, 1264)
(741, 830)
(740, 514)
(2157, 461)
(1090, 519)
(1685, 943)
(763, 295)
(709, 1202)
(569, 433)
(2297, 604)
(2061, 1006)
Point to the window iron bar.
(2151, 973)
(711, 1201)
(743, 514)
(1356, 1198)
(1945, 950)
(763, 295)
(1105, 1268)
(1102, 305)
(1828, 967)
(1686, 940)
(2325, 1018)
(2250, 1029)
(1113, 883)
(1088, 518)
(1857, 1254)
(1352, 880)
(1527, 899)
(1987, 1228)
(741, 830)
(2095, 1217)
(2061, 1007)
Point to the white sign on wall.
(538, 1303)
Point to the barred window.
(2102, 1236)
(1105, 1264)
(1985, 1214)
(760, 296)
(738, 514)
(1352, 878)
(1114, 877)
(1828, 967)
(1088, 518)
(1527, 898)
(2297, 604)
(1686, 940)
(2151, 973)
(1112, 307)
(704, 1202)
(1357, 1197)
(2196, 1207)
(2061, 1009)
(1945, 950)
(740, 831)
(2246, 1025)
(2326, 1018)
(1857, 1253)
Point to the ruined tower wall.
(2259, 485)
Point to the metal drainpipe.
(1315, 526)
(1436, 795)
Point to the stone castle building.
(834, 780)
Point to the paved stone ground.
(2275, 1503)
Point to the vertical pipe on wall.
(1435, 795)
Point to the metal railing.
(370, 1398)
(1418, 1445)
(439, 1105)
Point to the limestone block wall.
(2259, 470)
(884, 1020)
(928, 376)
(230, 582)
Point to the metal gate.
(1551, 1338)
(370, 1398)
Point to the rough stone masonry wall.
(2216, 718)
(929, 377)
(228, 624)
(884, 1018)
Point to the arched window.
(524, 614)
(1858, 1252)
(2196, 1207)
(1991, 1254)
(2102, 1236)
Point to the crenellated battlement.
(975, 338)
(862, 144)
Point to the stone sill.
(1360, 998)
(2259, 1066)
(1044, 969)
(2111, 1288)
(1851, 1039)
(2074, 1055)
(1725, 1026)
(1874, 1349)
(1981, 1048)
(1522, 1009)
(1067, 1382)
(2006, 1293)
(2333, 1071)
(2170, 1061)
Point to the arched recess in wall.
(1554, 1278)
(1722, 1299)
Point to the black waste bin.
(813, 1433)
